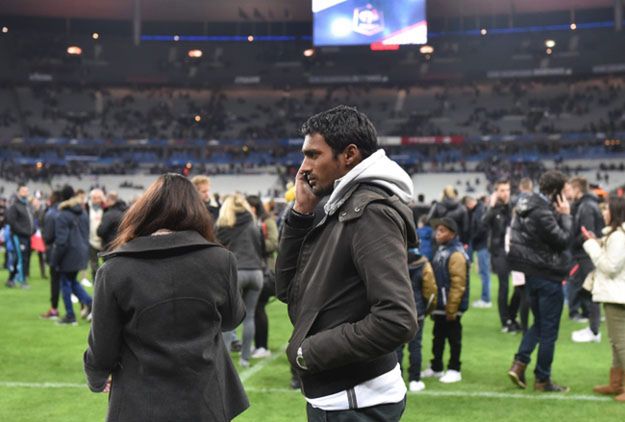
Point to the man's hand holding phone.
(305, 198)
(562, 205)
(494, 198)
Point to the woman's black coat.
(160, 305)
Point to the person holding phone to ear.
(541, 232)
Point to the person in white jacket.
(608, 287)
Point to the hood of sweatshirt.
(377, 169)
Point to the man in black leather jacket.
(540, 236)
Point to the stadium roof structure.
(264, 10)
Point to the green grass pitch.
(41, 377)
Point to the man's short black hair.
(342, 126)
(552, 182)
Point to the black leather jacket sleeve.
(554, 230)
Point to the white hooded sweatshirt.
(377, 169)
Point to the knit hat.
(446, 222)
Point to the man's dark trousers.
(546, 302)
(380, 413)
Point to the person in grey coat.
(162, 298)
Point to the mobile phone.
(307, 178)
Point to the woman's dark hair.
(342, 126)
(171, 203)
(617, 211)
(256, 203)
(551, 183)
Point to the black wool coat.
(160, 305)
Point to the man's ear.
(352, 156)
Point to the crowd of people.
(358, 261)
(538, 106)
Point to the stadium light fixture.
(95, 35)
(5, 29)
(176, 38)
(250, 38)
(549, 51)
(74, 50)
(550, 43)
(483, 31)
(195, 54)
(573, 26)
(426, 49)
(197, 118)
(309, 52)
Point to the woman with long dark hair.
(165, 293)
(608, 287)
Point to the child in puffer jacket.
(424, 289)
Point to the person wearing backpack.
(425, 290)
(70, 253)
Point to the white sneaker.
(585, 336)
(416, 386)
(480, 304)
(451, 376)
(85, 282)
(261, 353)
(429, 373)
(74, 299)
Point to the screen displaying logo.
(368, 20)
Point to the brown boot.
(620, 397)
(517, 373)
(616, 383)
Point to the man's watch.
(300, 359)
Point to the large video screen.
(360, 22)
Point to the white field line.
(463, 394)
(253, 370)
